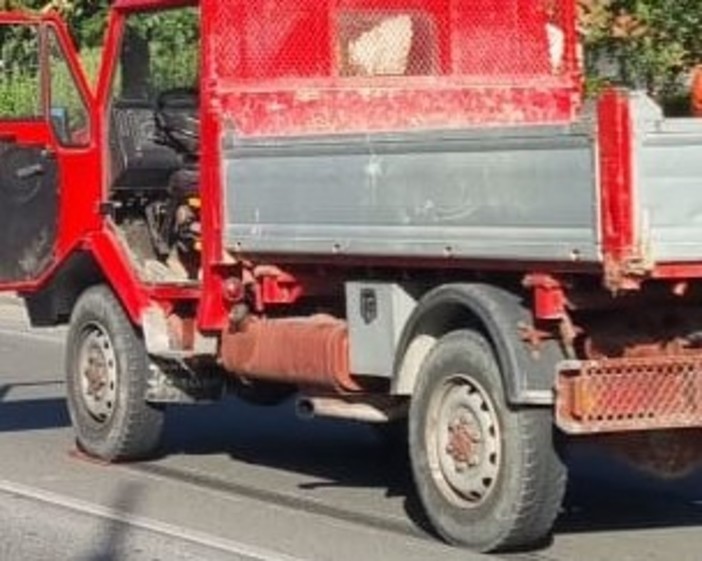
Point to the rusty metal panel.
(630, 394)
(516, 193)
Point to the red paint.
(78, 168)
(549, 296)
(325, 110)
(113, 261)
(677, 271)
(696, 91)
(173, 293)
(213, 309)
(615, 130)
(280, 290)
(616, 181)
(489, 65)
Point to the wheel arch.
(53, 303)
(496, 313)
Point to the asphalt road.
(236, 482)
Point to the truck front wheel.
(106, 369)
(487, 474)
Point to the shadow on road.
(327, 454)
(603, 495)
(31, 414)
(113, 534)
(606, 494)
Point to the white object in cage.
(383, 50)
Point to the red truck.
(400, 211)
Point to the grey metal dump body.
(526, 193)
(668, 180)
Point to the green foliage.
(646, 44)
(173, 39)
(87, 20)
(19, 71)
(19, 96)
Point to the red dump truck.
(400, 211)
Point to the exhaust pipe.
(367, 409)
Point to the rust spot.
(461, 446)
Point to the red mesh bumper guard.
(629, 394)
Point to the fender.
(98, 260)
(528, 372)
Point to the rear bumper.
(629, 394)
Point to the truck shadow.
(325, 456)
(607, 494)
(113, 534)
(34, 413)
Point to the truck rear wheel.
(106, 369)
(487, 474)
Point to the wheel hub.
(463, 445)
(98, 373)
(464, 441)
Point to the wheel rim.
(463, 441)
(97, 372)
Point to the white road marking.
(143, 523)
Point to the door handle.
(27, 172)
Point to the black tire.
(513, 499)
(118, 424)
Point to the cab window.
(68, 109)
(159, 53)
(20, 76)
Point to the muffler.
(310, 352)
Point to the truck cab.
(115, 160)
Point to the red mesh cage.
(311, 66)
(630, 394)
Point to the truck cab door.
(45, 131)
